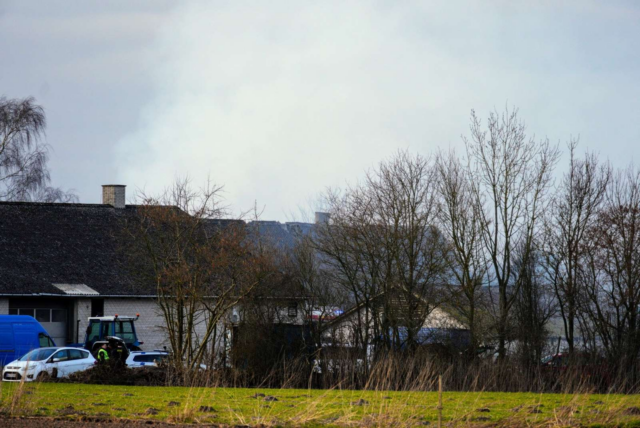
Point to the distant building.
(433, 325)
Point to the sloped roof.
(79, 249)
(439, 316)
(42, 244)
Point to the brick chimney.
(113, 194)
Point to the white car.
(48, 362)
(150, 358)
(146, 358)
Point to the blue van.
(20, 334)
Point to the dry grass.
(420, 373)
(395, 392)
(17, 399)
(334, 407)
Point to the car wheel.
(42, 376)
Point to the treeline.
(499, 238)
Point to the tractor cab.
(123, 327)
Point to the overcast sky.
(278, 100)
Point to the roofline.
(58, 204)
(133, 296)
(361, 305)
(153, 296)
(80, 205)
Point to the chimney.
(113, 194)
(322, 218)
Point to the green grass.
(315, 407)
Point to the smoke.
(278, 100)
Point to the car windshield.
(38, 355)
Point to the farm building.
(63, 262)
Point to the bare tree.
(270, 331)
(460, 220)
(613, 284)
(573, 212)
(308, 269)
(534, 306)
(511, 174)
(202, 265)
(383, 243)
(24, 175)
(406, 197)
(352, 256)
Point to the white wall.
(4, 306)
(149, 326)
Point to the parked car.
(20, 334)
(151, 358)
(146, 358)
(42, 363)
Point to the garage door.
(53, 320)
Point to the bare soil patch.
(95, 423)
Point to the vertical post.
(439, 401)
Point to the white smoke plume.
(278, 100)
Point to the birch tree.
(24, 175)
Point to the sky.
(278, 101)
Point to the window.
(293, 310)
(62, 355)
(93, 332)
(44, 340)
(124, 330)
(29, 312)
(43, 315)
(37, 355)
(97, 307)
(149, 358)
(106, 327)
(58, 315)
(75, 354)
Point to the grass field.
(290, 407)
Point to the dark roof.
(42, 244)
